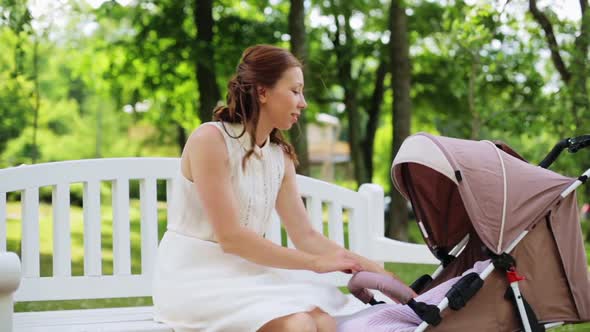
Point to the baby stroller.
(481, 201)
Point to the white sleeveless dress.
(198, 287)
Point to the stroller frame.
(574, 145)
(444, 304)
(546, 197)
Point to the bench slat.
(335, 223)
(274, 231)
(171, 187)
(73, 171)
(327, 192)
(62, 255)
(3, 230)
(121, 228)
(92, 219)
(314, 210)
(149, 224)
(83, 287)
(290, 243)
(356, 228)
(117, 319)
(30, 232)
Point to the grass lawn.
(406, 272)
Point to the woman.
(215, 270)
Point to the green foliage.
(13, 101)
(478, 71)
(15, 88)
(64, 134)
(146, 52)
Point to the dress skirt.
(198, 287)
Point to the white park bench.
(21, 280)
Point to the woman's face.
(282, 104)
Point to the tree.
(402, 108)
(374, 111)
(204, 57)
(16, 87)
(349, 62)
(298, 47)
(356, 60)
(161, 62)
(344, 47)
(573, 76)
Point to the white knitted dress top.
(256, 187)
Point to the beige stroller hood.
(485, 189)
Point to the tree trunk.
(402, 108)
(579, 70)
(373, 122)
(180, 137)
(344, 52)
(298, 134)
(35, 149)
(204, 56)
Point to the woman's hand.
(339, 261)
(371, 266)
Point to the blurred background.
(97, 79)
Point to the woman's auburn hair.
(260, 66)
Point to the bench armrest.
(9, 272)
(384, 249)
(9, 281)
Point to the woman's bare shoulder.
(204, 145)
(206, 136)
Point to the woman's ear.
(262, 94)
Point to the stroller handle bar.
(572, 144)
(396, 290)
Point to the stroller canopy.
(502, 195)
(485, 189)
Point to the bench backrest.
(126, 281)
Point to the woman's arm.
(296, 221)
(210, 171)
